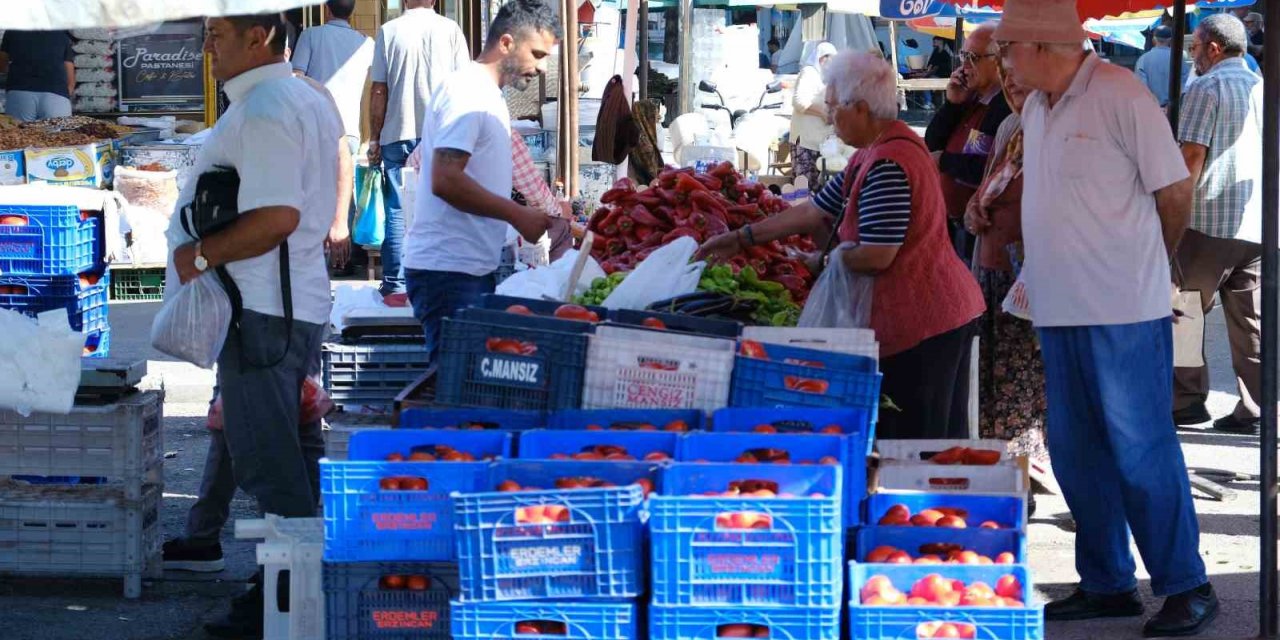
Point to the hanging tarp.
(44, 15)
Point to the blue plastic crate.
(359, 606)
(377, 444)
(598, 553)
(548, 379)
(86, 304)
(543, 308)
(626, 419)
(840, 380)
(679, 322)
(705, 623)
(542, 444)
(795, 561)
(803, 448)
(985, 542)
(1010, 512)
(902, 622)
(470, 418)
(563, 620)
(364, 522)
(54, 241)
(97, 344)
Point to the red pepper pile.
(680, 202)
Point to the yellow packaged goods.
(89, 165)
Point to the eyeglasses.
(973, 58)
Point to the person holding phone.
(964, 128)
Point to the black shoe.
(244, 621)
(1031, 505)
(181, 554)
(1232, 424)
(1184, 614)
(1083, 605)
(1191, 415)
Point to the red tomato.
(1008, 587)
(395, 457)
(981, 456)
(646, 485)
(417, 583)
(656, 456)
(677, 425)
(575, 312)
(421, 456)
(880, 554)
(392, 582)
(989, 524)
(752, 349)
(735, 631)
(951, 522)
(765, 428)
(389, 484)
(1006, 558)
(14, 220)
(519, 309)
(509, 485)
(528, 628)
(927, 518)
(413, 484)
(654, 323)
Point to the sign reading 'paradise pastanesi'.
(163, 70)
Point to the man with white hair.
(1152, 67)
(964, 128)
(1221, 135)
(1106, 198)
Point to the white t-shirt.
(281, 135)
(1092, 164)
(469, 114)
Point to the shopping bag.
(1016, 303)
(840, 299)
(314, 405)
(665, 273)
(192, 325)
(1188, 330)
(370, 222)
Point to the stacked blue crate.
(52, 257)
(747, 550)
(553, 548)
(390, 565)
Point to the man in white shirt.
(464, 203)
(278, 135)
(1106, 198)
(412, 57)
(338, 57)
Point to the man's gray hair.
(857, 75)
(988, 29)
(1226, 30)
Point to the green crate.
(144, 283)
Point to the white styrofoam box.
(857, 342)
(638, 368)
(918, 451)
(295, 545)
(62, 530)
(122, 441)
(937, 478)
(337, 438)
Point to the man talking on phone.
(964, 129)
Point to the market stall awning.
(1103, 8)
(44, 15)
(1125, 29)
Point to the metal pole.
(893, 44)
(1175, 63)
(644, 49)
(1267, 581)
(687, 83)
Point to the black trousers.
(930, 384)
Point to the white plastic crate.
(295, 545)
(857, 342)
(937, 478)
(917, 451)
(122, 441)
(637, 368)
(89, 530)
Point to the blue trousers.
(1117, 457)
(436, 295)
(394, 156)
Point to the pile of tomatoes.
(541, 628)
(899, 515)
(742, 631)
(678, 426)
(965, 455)
(609, 452)
(755, 489)
(938, 629)
(575, 482)
(934, 590)
(403, 483)
(744, 520)
(433, 453)
(940, 553)
(563, 312)
(831, 429)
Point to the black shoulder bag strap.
(846, 186)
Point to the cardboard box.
(90, 165)
(13, 168)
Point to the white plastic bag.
(192, 325)
(666, 273)
(1017, 304)
(841, 299)
(548, 283)
(41, 362)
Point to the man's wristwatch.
(200, 262)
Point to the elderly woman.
(809, 127)
(1012, 395)
(925, 303)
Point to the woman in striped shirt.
(888, 207)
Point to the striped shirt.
(884, 203)
(1223, 112)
